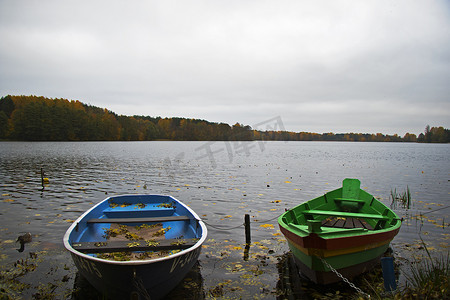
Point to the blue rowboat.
(138, 246)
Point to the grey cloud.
(372, 66)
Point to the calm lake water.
(221, 181)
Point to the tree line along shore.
(33, 118)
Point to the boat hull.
(349, 263)
(329, 277)
(314, 241)
(349, 249)
(146, 278)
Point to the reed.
(426, 278)
(404, 199)
(429, 278)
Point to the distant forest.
(32, 118)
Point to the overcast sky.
(321, 66)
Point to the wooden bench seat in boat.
(154, 210)
(327, 230)
(344, 214)
(127, 246)
(346, 223)
(349, 200)
(139, 220)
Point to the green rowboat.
(346, 229)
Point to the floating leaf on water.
(287, 181)
(444, 245)
(266, 242)
(266, 226)
(9, 200)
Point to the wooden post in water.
(42, 177)
(247, 229)
(247, 236)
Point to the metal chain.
(343, 278)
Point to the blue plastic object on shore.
(387, 264)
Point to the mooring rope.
(221, 227)
(269, 220)
(411, 217)
(441, 208)
(235, 227)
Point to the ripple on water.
(261, 183)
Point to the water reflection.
(293, 285)
(191, 288)
(290, 284)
